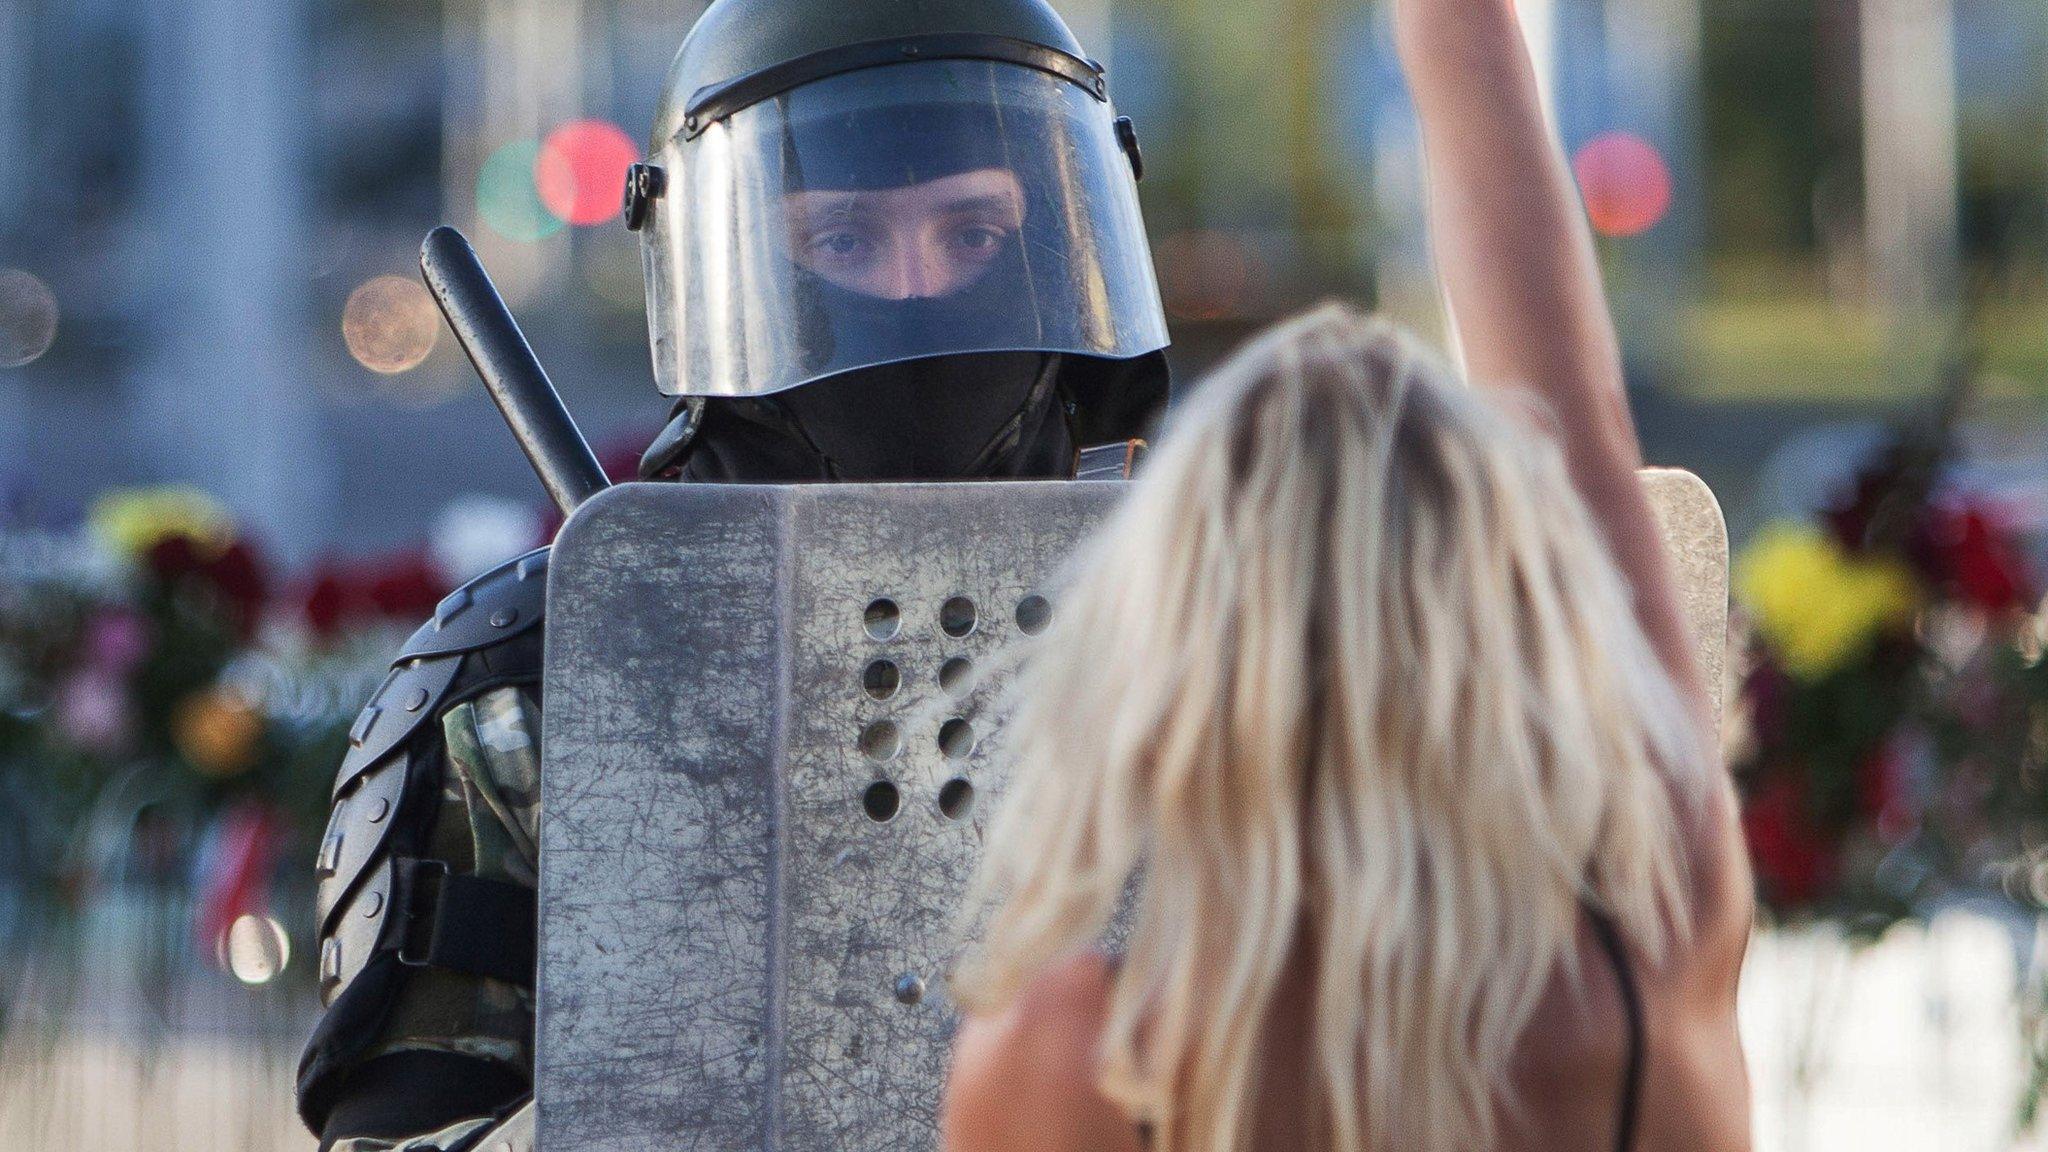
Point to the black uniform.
(912, 254)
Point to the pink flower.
(93, 712)
(115, 642)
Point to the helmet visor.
(921, 209)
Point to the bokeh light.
(1208, 275)
(477, 531)
(1625, 182)
(507, 197)
(28, 317)
(255, 949)
(390, 324)
(580, 171)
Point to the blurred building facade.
(204, 186)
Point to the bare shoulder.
(1024, 1080)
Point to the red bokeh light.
(581, 170)
(1626, 184)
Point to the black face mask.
(850, 327)
(970, 416)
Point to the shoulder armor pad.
(496, 606)
(357, 930)
(506, 602)
(408, 698)
(359, 829)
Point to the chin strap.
(672, 446)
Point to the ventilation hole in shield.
(881, 741)
(882, 619)
(956, 617)
(956, 676)
(881, 679)
(881, 801)
(1034, 612)
(956, 798)
(956, 739)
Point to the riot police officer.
(883, 240)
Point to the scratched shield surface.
(768, 765)
(769, 756)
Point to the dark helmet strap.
(671, 448)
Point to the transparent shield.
(921, 209)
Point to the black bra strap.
(1632, 1003)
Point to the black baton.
(568, 468)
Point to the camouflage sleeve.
(512, 1134)
(488, 826)
(450, 1139)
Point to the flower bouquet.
(171, 712)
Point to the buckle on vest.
(465, 924)
(410, 875)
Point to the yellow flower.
(133, 520)
(1817, 605)
(217, 732)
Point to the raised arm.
(1517, 264)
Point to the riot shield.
(767, 769)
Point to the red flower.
(326, 604)
(403, 587)
(1853, 512)
(406, 587)
(238, 576)
(1966, 550)
(619, 456)
(1882, 795)
(1793, 864)
(1982, 564)
(1768, 690)
(234, 576)
(173, 558)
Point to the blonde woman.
(1376, 704)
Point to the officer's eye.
(980, 239)
(839, 244)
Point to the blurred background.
(240, 458)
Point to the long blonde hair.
(1348, 686)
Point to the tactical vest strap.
(465, 923)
